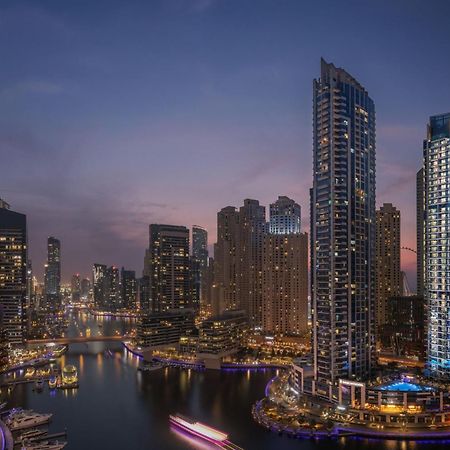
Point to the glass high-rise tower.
(343, 229)
(436, 183)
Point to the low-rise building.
(221, 336)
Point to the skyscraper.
(199, 264)
(53, 274)
(76, 287)
(285, 216)
(112, 291)
(99, 285)
(13, 274)
(169, 268)
(226, 260)
(128, 286)
(436, 154)
(285, 271)
(420, 228)
(343, 228)
(85, 289)
(388, 274)
(252, 226)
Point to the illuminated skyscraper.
(436, 156)
(343, 229)
(199, 264)
(76, 287)
(388, 278)
(99, 285)
(252, 227)
(113, 299)
(285, 216)
(420, 229)
(128, 287)
(53, 274)
(13, 274)
(226, 260)
(169, 268)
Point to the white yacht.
(22, 420)
(46, 445)
(29, 434)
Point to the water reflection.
(118, 407)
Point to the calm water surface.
(118, 407)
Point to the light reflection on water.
(118, 407)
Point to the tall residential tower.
(343, 228)
(13, 274)
(388, 274)
(436, 156)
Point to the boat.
(30, 434)
(199, 429)
(39, 385)
(69, 378)
(45, 445)
(52, 382)
(27, 419)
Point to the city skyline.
(241, 122)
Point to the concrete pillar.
(340, 392)
(379, 399)
(363, 396)
(352, 393)
(405, 400)
(441, 401)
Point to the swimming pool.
(405, 386)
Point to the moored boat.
(23, 420)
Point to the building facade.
(436, 156)
(169, 268)
(13, 276)
(99, 285)
(226, 260)
(129, 288)
(76, 287)
(285, 216)
(420, 211)
(252, 227)
(285, 284)
(53, 275)
(388, 273)
(343, 229)
(199, 265)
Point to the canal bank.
(114, 395)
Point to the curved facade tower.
(343, 229)
(436, 228)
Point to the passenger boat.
(199, 429)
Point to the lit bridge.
(78, 340)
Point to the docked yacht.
(46, 445)
(30, 434)
(28, 419)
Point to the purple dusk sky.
(115, 115)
